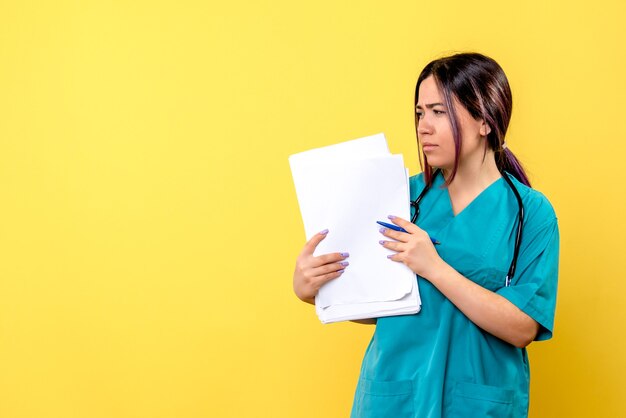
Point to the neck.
(474, 174)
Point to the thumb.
(311, 245)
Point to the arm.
(488, 310)
(369, 321)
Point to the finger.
(396, 257)
(397, 235)
(328, 258)
(392, 245)
(329, 268)
(320, 281)
(403, 223)
(311, 245)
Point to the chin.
(440, 165)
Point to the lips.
(427, 146)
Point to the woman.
(484, 296)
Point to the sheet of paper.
(347, 198)
(346, 188)
(369, 146)
(410, 304)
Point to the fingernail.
(383, 230)
(344, 255)
(324, 232)
(390, 255)
(344, 263)
(391, 217)
(381, 242)
(340, 271)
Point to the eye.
(439, 112)
(419, 114)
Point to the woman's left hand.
(413, 248)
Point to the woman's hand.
(413, 248)
(488, 310)
(313, 272)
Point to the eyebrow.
(430, 105)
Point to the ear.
(484, 128)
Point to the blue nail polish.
(390, 255)
(324, 232)
(344, 255)
(391, 217)
(340, 271)
(381, 242)
(383, 230)
(344, 263)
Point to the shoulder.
(416, 184)
(417, 180)
(538, 210)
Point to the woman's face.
(434, 130)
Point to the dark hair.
(481, 86)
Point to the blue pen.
(397, 228)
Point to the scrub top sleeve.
(534, 288)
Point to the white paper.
(369, 146)
(409, 304)
(348, 198)
(346, 188)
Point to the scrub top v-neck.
(437, 363)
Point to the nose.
(424, 126)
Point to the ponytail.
(506, 161)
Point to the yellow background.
(148, 222)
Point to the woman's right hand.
(313, 272)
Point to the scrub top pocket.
(473, 400)
(377, 399)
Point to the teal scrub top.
(437, 363)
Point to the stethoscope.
(520, 222)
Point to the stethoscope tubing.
(520, 222)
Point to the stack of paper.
(346, 188)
